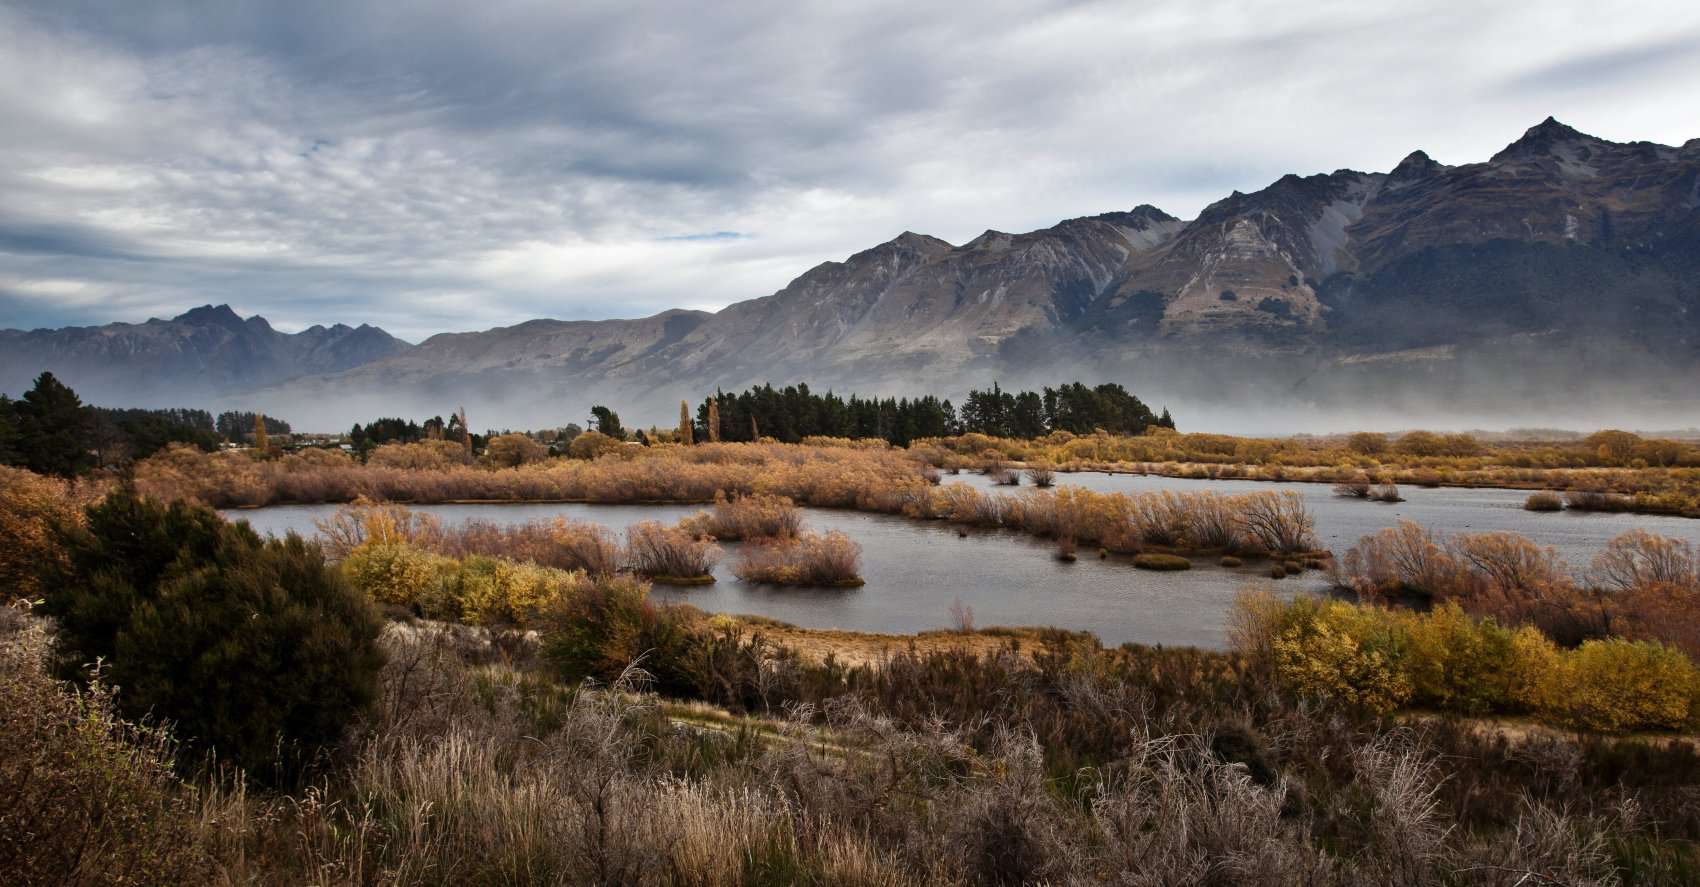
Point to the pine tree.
(685, 435)
(260, 441)
(53, 429)
(714, 421)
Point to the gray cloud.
(440, 165)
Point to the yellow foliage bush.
(1457, 663)
(1619, 685)
(1334, 650)
(477, 590)
(1537, 682)
(1378, 659)
(395, 573)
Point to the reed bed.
(553, 542)
(670, 555)
(876, 480)
(828, 560)
(757, 517)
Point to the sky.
(443, 166)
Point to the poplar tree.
(260, 441)
(685, 435)
(714, 421)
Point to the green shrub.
(609, 625)
(1153, 561)
(257, 650)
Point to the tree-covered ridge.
(794, 412)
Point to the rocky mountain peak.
(1416, 166)
(210, 315)
(1542, 139)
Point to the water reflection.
(916, 570)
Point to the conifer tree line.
(794, 412)
(240, 425)
(49, 430)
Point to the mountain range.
(1561, 277)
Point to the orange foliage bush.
(30, 506)
(810, 559)
(747, 517)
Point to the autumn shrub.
(1386, 493)
(1544, 501)
(31, 505)
(1616, 685)
(1162, 518)
(1333, 650)
(669, 554)
(1661, 612)
(475, 589)
(555, 542)
(747, 518)
(497, 591)
(1041, 476)
(1456, 663)
(1213, 522)
(403, 575)
(830, 559)
(610, 625)
(255, 649)
(594, 444)
(425, 455)
(1403, 560)
(365, 521)
(1354, 489)
(1639, 559)
(89, 798)
(1278, 521)
(1594, 500)
(513, 450)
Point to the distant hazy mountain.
(1558, 281)
(206, 353)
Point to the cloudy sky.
(434, 166)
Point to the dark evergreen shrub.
(253, 649)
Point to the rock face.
(1562, 273)
(202, 354)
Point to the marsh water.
(916, 570)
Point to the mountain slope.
(1561, 274)
(203, 353)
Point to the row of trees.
(51, 431)
(368, 437)
(240, 425)
(794, 412)
(1073, 407)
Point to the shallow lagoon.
(916, 570)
